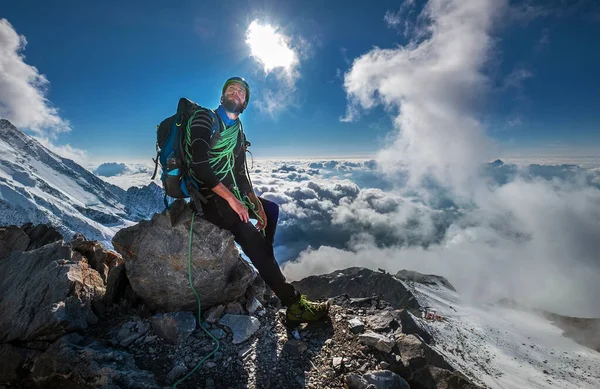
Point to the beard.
(231, 104)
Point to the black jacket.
(201, 143)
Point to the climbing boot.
(306, 311)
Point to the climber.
(218, 165)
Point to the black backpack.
(170, 150)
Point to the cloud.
(392, 19)
(402, 18)
(23, 89)
(126, 175)
(66, 151)
(432, 87)
(530, 234)
(110, 169)
(516, 78)
(280, 55)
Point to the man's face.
(236, 92)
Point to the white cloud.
(515, 78)
(526, 233)
(280, 55)
(432, 87)
(23, 89)
(402, 17)
(126, 175)
(392, 19)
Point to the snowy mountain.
(507, 347)
(39, 186)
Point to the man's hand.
(239, 208)
(260, 211)
(262, 222)
(233, 202)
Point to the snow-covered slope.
(506, 348)
(39, 186)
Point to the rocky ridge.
(80, 318)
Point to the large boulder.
(155, 253)
(12, 238)
(358, 282)
(46, 293)
(40, 235)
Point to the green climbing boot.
(305, 311)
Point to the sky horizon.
(93, 80)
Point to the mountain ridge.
(39, 186)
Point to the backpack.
(170, 151)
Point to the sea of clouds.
(528, 232)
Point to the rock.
(378, 341)
(73, 361)
(116, 285)
(356, 326)
(337, 363)
(258, 289)
(176, 372)
(432, 377)
(156, 260)
(385, 379)
(14, 359)
(410, 325)
(46, 293)
(383, 321)
(40, 235)
(253, 305)
(358, 282)
(131, 331)
(355, 381)
(217, 333)
(101, 259)
(416, 354)
(12, 239)
(234, 308)
(427, 279)
(215, 313)
(243, 327)
(175, 327)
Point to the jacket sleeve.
(241, 177)
(200, 131)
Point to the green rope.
(199, 309)
(222, 159)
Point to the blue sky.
(115, 69)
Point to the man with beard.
(218, 165)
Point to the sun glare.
(270, 47)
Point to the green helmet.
(239, 80)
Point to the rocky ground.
(363, 344)
(72, 318)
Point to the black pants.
(258, 247)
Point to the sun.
(270, 47)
